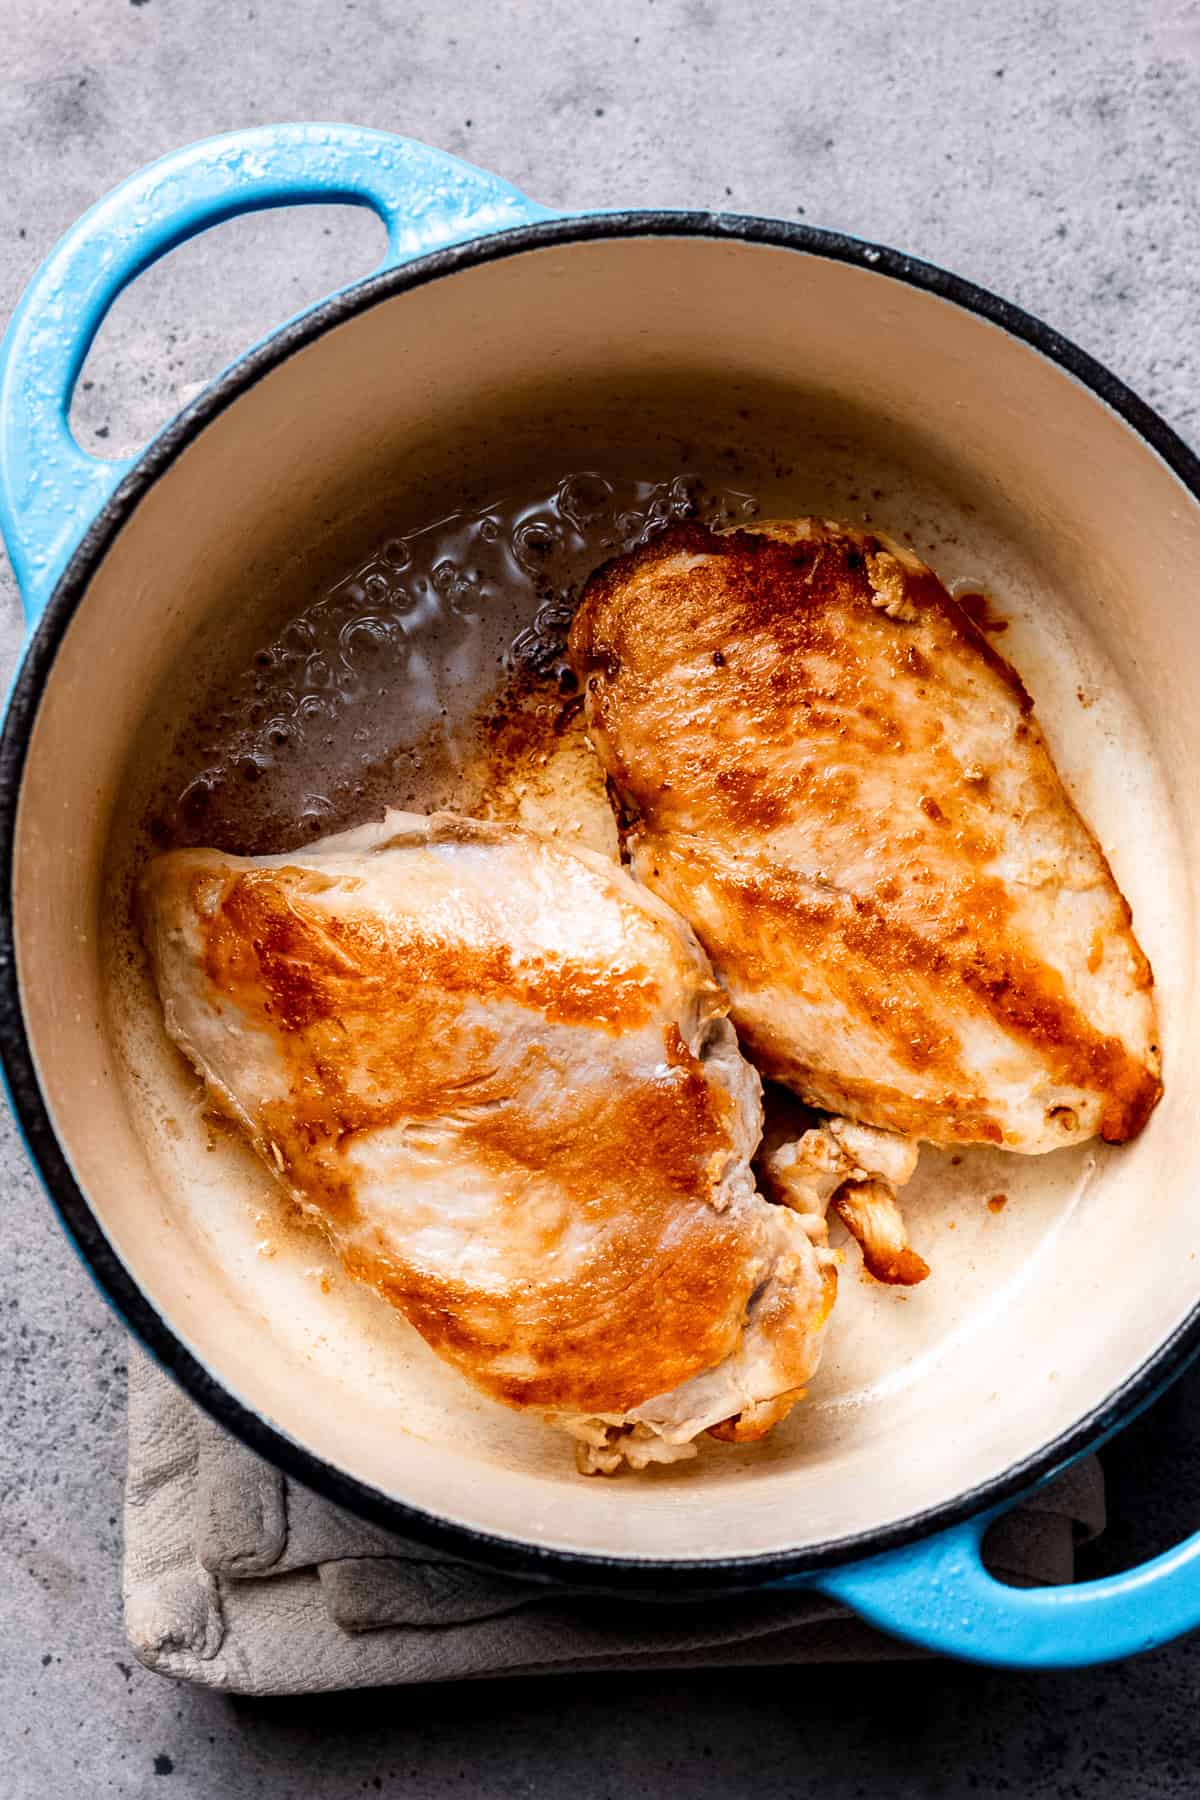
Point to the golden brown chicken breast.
(828, 770)
(499, 1076)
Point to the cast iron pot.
(483, 299)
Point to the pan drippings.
(365, 699)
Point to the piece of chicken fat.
(816, 1165)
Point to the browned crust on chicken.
(313, 966)
(374, 1022)
(787, 721)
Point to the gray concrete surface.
(1050, 151)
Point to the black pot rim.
(29, 1105)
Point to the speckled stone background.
(1050, 151)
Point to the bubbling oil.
(360, 701)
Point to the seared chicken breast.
(828, 770)
(499, 1076)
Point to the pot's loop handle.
(50, 489)
(939, 1594)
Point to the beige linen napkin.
(241, 1579)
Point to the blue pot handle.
(50, 489)
(938, 1594)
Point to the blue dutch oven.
(492, 317)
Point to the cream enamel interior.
(1017, 476)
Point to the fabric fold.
(239, 1579)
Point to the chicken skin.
(828, 770)
(499, 1076)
